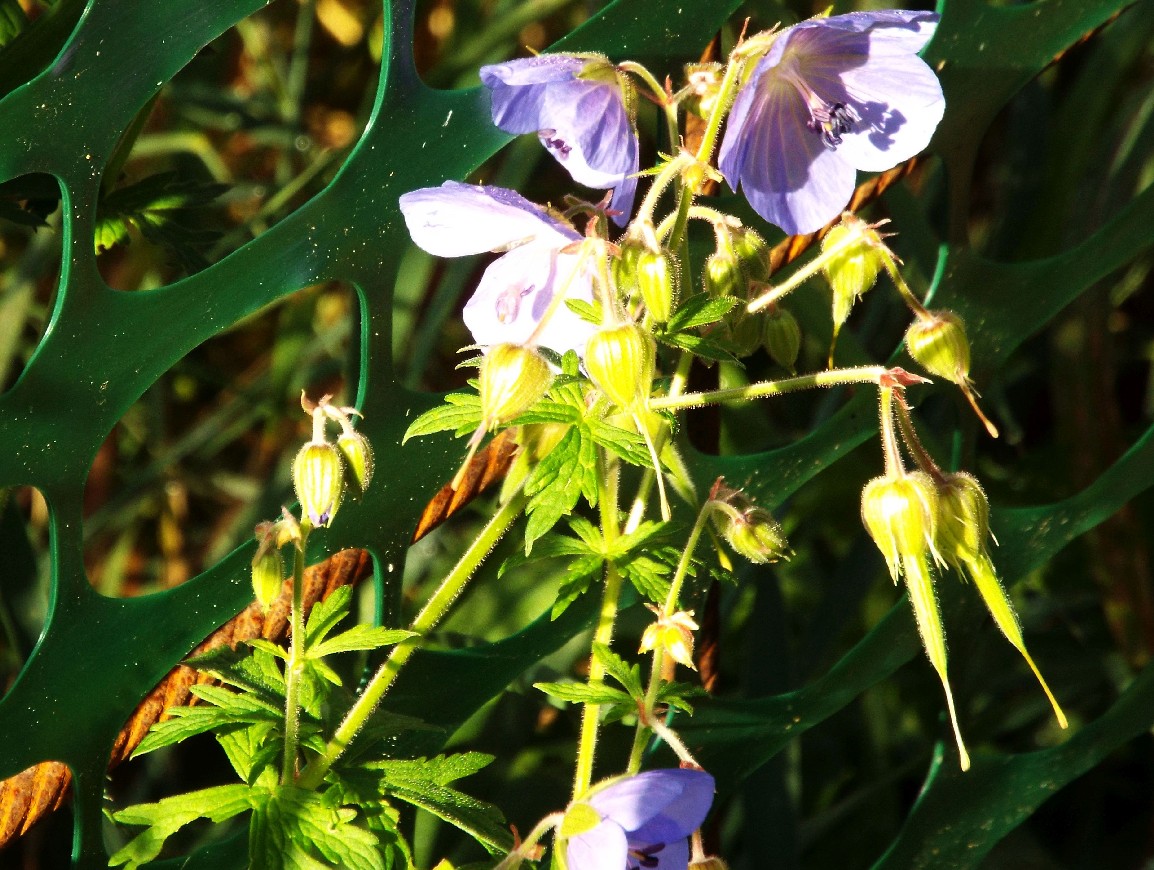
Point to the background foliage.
(222, 231)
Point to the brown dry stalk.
(28, 796)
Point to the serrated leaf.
(699, 310)
(482, 821)
(326, 613)
(460, 414)
(628, 675)
(648, 576)
(251, 748)
(254, 671)
(583, 693)
(186, 722)
(702, 346)
(554, 487)
(441, 769)
(627, 445)
(587, 311)
(550, 546)
(166, 817)
(579, 575)
(361, 637)
(316, 828)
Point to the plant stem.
(603, 634)
(661, 98)
(836, 377)
(431, 614)
(294, 667)
(893, 454)
(803, 274)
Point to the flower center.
(554, 143)
(830, 120)
(645, 858)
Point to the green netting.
(98, 656)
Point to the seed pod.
(963, 520)
(854, 269)
(750, 250)
(620, 361)
(940, 346)
(513, 378)
(624, 266)
(899, 514)
(753, 533)
(723, 275)
(318, 477)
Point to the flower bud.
(745, 331)
(723, 275)
(267, 575)
(656, 279)
(963, 520)
(757, 536)
(940, 346)
(899, 514)
(853, 269)
(318, 475)
(624, 265)
(358, 453)
(750, 250)
(513, 378)
(704, 85)
(781, 336)
(620, 361)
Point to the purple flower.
(576, 106)
(639, 823)
(831, 96)
(517, 289)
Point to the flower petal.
(657, 806)
(670, 856)
(516, 291)
(519, 88)
(603, 848)
(455, 219)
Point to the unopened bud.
(513, 378)
(963, 520)
(620, 361)
(899, 514)
(358, 454)
(624, 265)
(940, 346)
(318, 476)
(756, 535)
(853, 269)
(267, 575)
(657, 280)
(781, 336)
(723, 275)
(750, 250)
(745, 331)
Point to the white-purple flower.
(642, 822)
(576, 106)
(518, 288)
(830, 97)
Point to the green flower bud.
(723, 275)
(899, 514)
(854, 269)
(513, 378)
(267, 575)
(745, 331)
(318, 476)
(781, 336)
(750, 250)
(624, 266)
(620, 361)
(940, 346)
(755, 534)
(657, 281)
(963, 520)
(358, 454)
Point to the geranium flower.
(517, 289)
(830, 97)
(576, 106)
(642, 822)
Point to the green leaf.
(587, 311)
(583, 693)
(482, 821)
(460, 414)
(629, 676)
(296, 828)
(701, 345)
(699, 309)
(554, 486)
(441, 769)
(579, 576)
(361, 637)
(325, 615)
(12, 20)
(166, 817)
(627, 445)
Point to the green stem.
(804, 273)
(431, 614)
(762, 389)
(726, 92)
(603, 634)
(914, 443)
(294, 667)
(893, 454)
(907, 294)
(661, 97)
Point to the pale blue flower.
(456, 220)
(830, 97)
(576, 106)
(644, 822)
